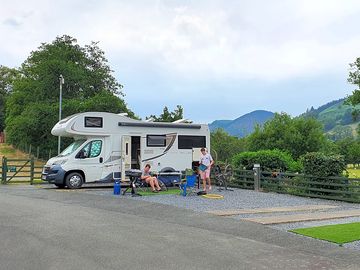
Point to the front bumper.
(53, 174)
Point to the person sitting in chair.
(151, 180)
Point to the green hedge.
(269, 160)
(319, 164)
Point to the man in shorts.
(152, 181)
(208, 161)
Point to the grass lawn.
(353, 173)
(169, 191)
(340, 234)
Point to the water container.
(117, 188)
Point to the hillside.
(244, 125)
(336, 118)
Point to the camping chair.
(188, 186)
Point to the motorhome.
(105, 145)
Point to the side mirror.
(81, 154)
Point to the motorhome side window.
(155, 140)
(90, 150)
(93, 122)
(190, 142)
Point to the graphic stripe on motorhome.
(164, 125)
(173, 137)
(153, 157)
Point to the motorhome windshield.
(71, 148)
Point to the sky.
(217, 59)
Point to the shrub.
(325, 171)
(319, 164)
(269, 160)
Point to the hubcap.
(75, 180)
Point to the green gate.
(20, 171)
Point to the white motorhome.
(106, 145)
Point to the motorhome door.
(90, 160)
(126, 151)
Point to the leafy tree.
(225, 145)
(32, 108)
(7, 76)
(168, 116)
(354, 78)
(296, 136)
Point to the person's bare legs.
(209, 182)
(204, 183)
(156, 182)
(150, 181)
(202, 177)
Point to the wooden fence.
(333, 188)
(20, 171)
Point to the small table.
(134, 175)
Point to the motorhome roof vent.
(151, 119)
(123, 114)
(183, 121)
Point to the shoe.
(155, 191)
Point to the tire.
(74, 180)
(167, 169)
(162, 185)
(59, 185)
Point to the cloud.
(11, 22)
(177, 50)
(233, 39)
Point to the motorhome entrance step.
(305, 217)
(233, 212)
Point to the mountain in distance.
(336, 118)
(244, 125)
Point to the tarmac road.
(46, 229)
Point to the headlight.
(60, 162)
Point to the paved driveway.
(45, 229)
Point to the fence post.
(4, 170)
(256, 177)
(32, 171)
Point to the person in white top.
(208, 161)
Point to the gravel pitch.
(249, 199)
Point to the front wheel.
(74, 180)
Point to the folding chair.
(188, 186)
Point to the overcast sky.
(218, 59)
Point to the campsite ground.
(80, 230)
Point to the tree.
(354, 78)
(296, 136)
(32, 107)
(168, 116)
(7, 76)
(225, 145)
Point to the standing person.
(152, 181)
(207, 160)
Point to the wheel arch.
(77, 171)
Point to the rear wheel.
(74, 180)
